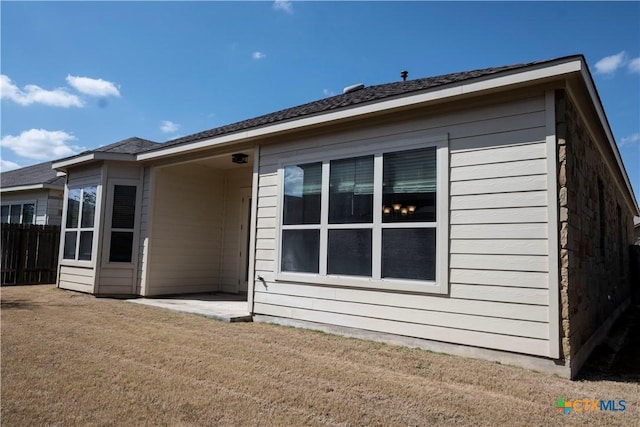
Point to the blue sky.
(77, 75)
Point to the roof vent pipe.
(353, 88)
(404, 74)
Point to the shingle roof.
(31, 175)
(362, 96)
(127, 146)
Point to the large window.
(78, 236)
(122, 223)
(18, 213)
(372, 218)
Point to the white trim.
(513, 77)
(95, 156)
(32, 187)
(73, 161)
(442, 216)
(63, 225)
(324, 219)
(376, 235)
(79, 229)
(243, 236)
(148, 254)
(398, 144)
(553, 226)
(252, 231)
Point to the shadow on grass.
(19, 304)
(618, 357)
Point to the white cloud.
(6, 165)
(328, 92)
(41, 144)
(168, 126)
(634, 65)
(32, 94)
(93, 87)
(283, 5)
(630, 139)
(258, 55)
(609, 64)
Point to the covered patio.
(220, 306)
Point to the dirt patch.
(70, 360)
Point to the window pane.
(5, 214)
(409, 253)
(73, 208)
(409, 186)
(121, 246)
(86, 242)
(302, 187)
(15, 214)
(88, 206)
(349, 252)
(124, 206)
(28, 213)
(70, 245)
(351, 190)
(301, 250)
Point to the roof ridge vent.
(353, 88)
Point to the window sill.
(399, 285)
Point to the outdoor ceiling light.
(239, 158)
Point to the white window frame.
(136, 225)
(22, 203)
(384, 145)
(79, 229)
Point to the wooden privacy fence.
(29, 254)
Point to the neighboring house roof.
(362, 96)
(31, 177)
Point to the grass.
(71, 359)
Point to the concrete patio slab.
(224, 307)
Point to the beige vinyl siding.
(118, 278)
(235, 180)
(498, 248)
(81, 275)
(185, 249)
(116, 281)
(76, 278)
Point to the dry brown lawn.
(71, 359)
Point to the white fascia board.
(61, 164)
(22, 188)
(595, 99)
(448, 92)
(73, 161)
(31, 187)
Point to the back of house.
(485, 213)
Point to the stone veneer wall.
(594, 248)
